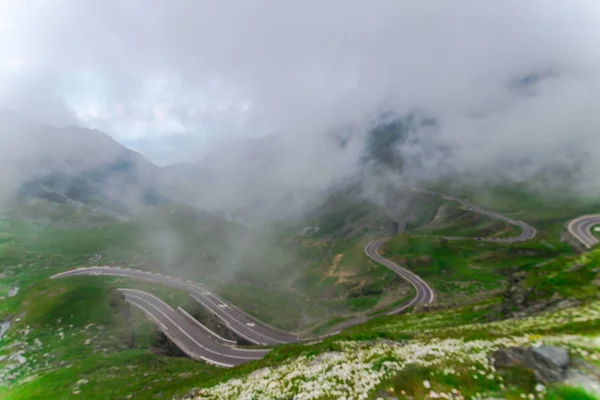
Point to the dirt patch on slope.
(332, 271)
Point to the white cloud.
(230, 69)
(12, 64)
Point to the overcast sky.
(169, 78)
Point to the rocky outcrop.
(516, 295)
(548, 364)
(520, 301)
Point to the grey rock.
(584, 375)
(556, 356)
(384, 395)
(576, 267)
(548, 364)
(508, 357)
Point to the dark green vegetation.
(556, 276)
(389, 133)
(566, 278)
(346, 213)
(463, 269)
(409, 384)
(548, 210)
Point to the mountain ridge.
(73, 164)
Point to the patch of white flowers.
(359, 369)
(23, 356)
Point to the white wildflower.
(539, 387)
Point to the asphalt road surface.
(235, 319)
(581, 229)
(424, 294)
(189, 337)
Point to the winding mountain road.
(528, 232)
(200, 343)
(235, 319)
(581, 229)
(189, 337)
(424, 293)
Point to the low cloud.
(505, 81)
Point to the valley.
(459, 271)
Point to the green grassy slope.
(260, 271)
(63, 315)
(462, 269)
(453, 220)
(547, 210)
(315, 281)
(114, 365)
(425, 355)
(77, 337)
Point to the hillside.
(316, 279)
(410, 356)
(73, 165)
(234, 260)
(79, 184)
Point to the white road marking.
(201, 300)
(187, 351)
(251, 340)
(203, 327)
(187, 334)
(231, 342)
